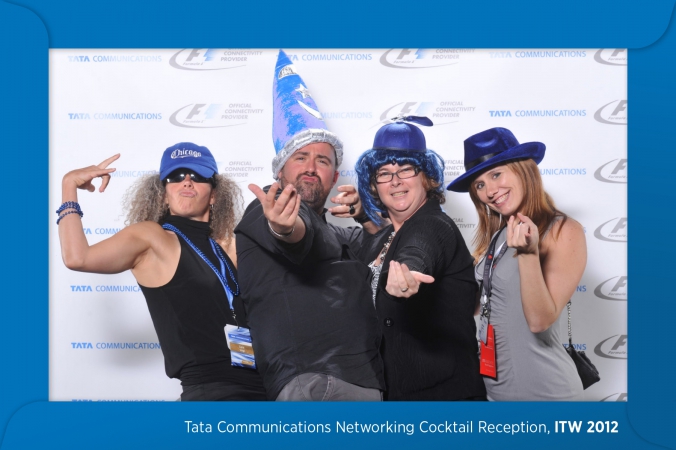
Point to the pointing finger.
(337, 198)
(107, 162)
(258, 192)
(422, 278)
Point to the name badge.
(487, 366)
(483, 329)
(483, 319)
(239, 343)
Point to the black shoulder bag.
(587, 371)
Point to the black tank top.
(190, 312)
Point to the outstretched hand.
(523, 235)
(348, 201)
(404, 283)
(82, 178)
(281, 212)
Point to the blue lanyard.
(221, 258)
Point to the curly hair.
(144, 200)
(370, 161)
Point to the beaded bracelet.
(280, 235)
(67, 205)
(69, 212)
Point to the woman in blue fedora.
(537, 257)
(423, 286)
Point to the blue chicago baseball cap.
(186, 155)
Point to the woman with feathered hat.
(537, 256)
(423, 286)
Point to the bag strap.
(570, 335)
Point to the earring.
(211, 206)
(488, 210)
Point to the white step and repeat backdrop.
(138, 102)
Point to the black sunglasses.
(179, 175)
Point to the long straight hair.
(537, 205)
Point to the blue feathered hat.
(399, 142)
(296, 120)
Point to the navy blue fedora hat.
(401, 135)
(490, 148)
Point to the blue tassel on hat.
(296, 120)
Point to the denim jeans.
(323, 387)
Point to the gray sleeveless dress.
(530, 366)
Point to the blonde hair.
(536, 205)
(144, 200)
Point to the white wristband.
(279, 235)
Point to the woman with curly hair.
(537, 256)
(423, 285)
(179, 223)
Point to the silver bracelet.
(279, 235)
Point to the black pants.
(221, 390)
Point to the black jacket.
(429, 344)
(308, 304)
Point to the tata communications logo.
(441, 113)
(212, 58)
(115, 58)
(614, 288)
(214, 115)
(616, 397)
(614, 171)
(613, 113)
(614, 347)
(614, 230)
(611, 56)
(422, 58)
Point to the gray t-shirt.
(530, 366)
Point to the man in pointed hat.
(308, 299)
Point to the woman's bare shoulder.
(568, 233)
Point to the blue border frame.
(29, 27)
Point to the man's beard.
(311, 193)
